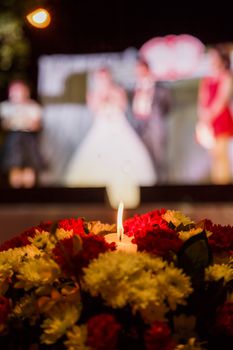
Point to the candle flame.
(120, 228)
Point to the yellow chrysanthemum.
(60, 318)
(43, 241)
(11, 258)
(36, 272)
(175, 286)
(184, 235)
(61, 234)
(177, 218)
(46, 241)
(121, 278)
(139, 280)
(77, 337)
(26, 307)
(98, 227)
(219, 271)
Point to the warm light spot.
(39, 18)
(120, 228)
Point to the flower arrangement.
(63, 286)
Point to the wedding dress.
(112, 156)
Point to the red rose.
(4, 309)
(77, 225)
(103, 332)
(23, 239)
(158, 337)
(224, 319)
(72, 260)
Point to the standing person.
(21, 121)
(214, 112)
(150, 106)
(112, 155)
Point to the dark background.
(87, 26)
(94, 26)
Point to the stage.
(20, 209)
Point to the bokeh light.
(39, 18)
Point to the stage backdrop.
(63, 83)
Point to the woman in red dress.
(215, 114)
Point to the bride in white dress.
(111, 155)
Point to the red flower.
(77, 225)
(72, 260)
(159, 242)
(103, 332)
(158, 337)
(23, 238)
(221, 239)
(153, 234)
(144, 223)
(4, 309)
(224, 319)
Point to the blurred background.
(59, 64)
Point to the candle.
(123, 242)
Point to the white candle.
(123, 242)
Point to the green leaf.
(194, 256)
